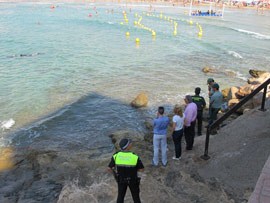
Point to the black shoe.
(213, 133)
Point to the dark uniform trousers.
(199, 120)
(133, 185)
(189, 135)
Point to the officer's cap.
(215, 85)
(209, 80)
(124, 143)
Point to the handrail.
(233, 110)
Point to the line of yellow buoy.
(165, 18)
(174, 21)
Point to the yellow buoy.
(147, 14)
(135, 23)
(165, 17)
(185, 12)
(200, 34)
(136, 15)
(127, 34)
(121, 23)
(153, 34)
(175, 33)
(160, 16)
(143, 13)
(190, 22)
(137, 40)
(126, 20)
(171, 21)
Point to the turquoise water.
(69, 56)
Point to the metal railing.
(233, 110)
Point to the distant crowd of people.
(127, 163)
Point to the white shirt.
(179, 122)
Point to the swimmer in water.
(24, 55)
(112, 11)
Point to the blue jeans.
(162, 141)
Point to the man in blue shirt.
(216, 101)
(160, 136)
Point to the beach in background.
(68, 74)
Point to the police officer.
(200, 102)
(127, 164)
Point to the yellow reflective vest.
(125, 159)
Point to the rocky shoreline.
(43, 173)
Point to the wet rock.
(225, 92)
(117, 136)
(140, 101)
(256, 73)
(207, 69)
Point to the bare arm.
(110, 170)
(185, 121)
(173, 127)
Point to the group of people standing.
(127, 163)
(184, 122)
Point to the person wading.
(127, 164)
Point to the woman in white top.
(177, 130)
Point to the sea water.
(65, 75)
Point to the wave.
(253, 34)
(235, 54)
(5, 125)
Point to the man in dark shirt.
(127, 164)
(200, 102)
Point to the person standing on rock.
(177, 130)
(200, 102)
(215, 104)
(127, 165)
(190, 119)
(160, 137)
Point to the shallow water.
(69, 57)
(66, 84)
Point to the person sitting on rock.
(200, 102)
(215, 104)
(160, 137)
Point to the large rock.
(225, 92)
(207, 69)
(246, 90)
(232, 102)
(140, 101)
(232, 93)
(263, 77)
(256, 73)
(255, 81)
